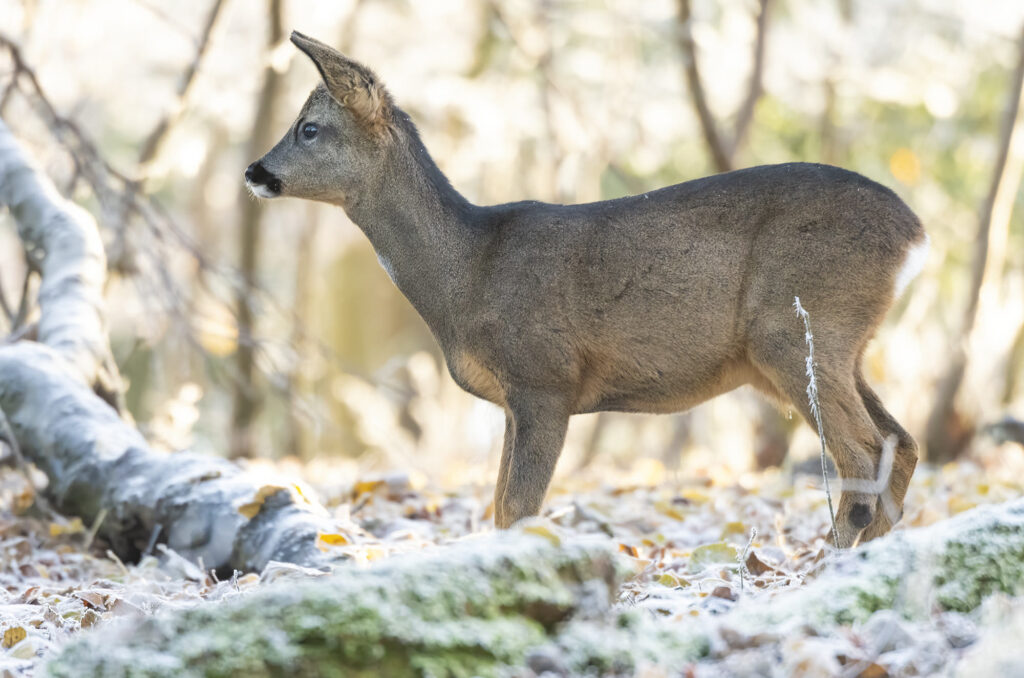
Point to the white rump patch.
(912, 265)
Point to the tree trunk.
(947, 433)
(246, 397)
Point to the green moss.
(980, 562)
(473, 609)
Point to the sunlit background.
(566, 101)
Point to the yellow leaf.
(958, 504)
(545, 532)
(73, 526)
(733, 527)
(694, 494)
(250, 509)
(629, 550)
(668, 509)
(365, 486)
(23, 500)
(672, 581)
(333, 539)
(13, 636)
(709, 554)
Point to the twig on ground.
(745, 554)
(95, 528)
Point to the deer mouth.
(260, 182)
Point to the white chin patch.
(260, 191)
(912, 265)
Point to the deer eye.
(309, 130)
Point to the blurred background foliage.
(269, 329)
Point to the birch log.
(56, 394)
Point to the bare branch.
(151, 146)
(721, 148)
(712, 136)
(755, 88)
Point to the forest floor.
(683, 540)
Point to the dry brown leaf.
(724, 592)
(91, 599)
(757, 567)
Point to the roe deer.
(650, 303)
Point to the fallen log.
(57, 392)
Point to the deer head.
(335, 149)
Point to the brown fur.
(651, 303)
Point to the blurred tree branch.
(151, 146)
(946, 434)
(722, 147)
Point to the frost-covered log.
(97, 463)
(507, 603)
(476, 608)
(55, 394)
(63, 244)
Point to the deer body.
(650, 303)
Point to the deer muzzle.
(262, 183)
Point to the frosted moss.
(509, 603)
(474, 609)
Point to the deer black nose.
(258, 175)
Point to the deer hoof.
(860, 516)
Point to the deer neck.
(423, 231)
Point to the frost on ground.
(676, 603)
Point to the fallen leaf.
(73, 526)
(91, 599)
(710, 554)
(873, 671)
(252, 508)
(13, 636)
(757, 567)
(731, 528)
(545, 532)
(724, 592)
(332, 539)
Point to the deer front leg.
(536, 424)
(506, 462)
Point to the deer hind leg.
(890, 506)
(850, 434)
(537, 424)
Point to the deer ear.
(351, 84)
